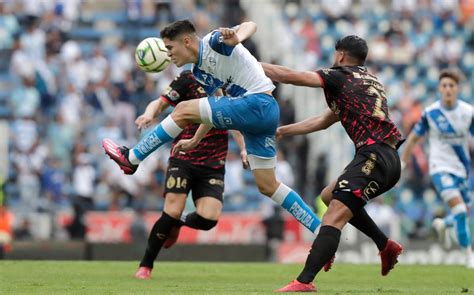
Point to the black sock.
(365, 224)
(324, 247)
(158, 235)
(196, 221)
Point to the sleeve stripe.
(167, 100)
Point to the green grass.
(98, 277)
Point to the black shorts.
(182, 177)
(374, 170)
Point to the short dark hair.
(177, 28)
(354, 46)
(450, 73)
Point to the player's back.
(448, 137)
(358, 99)
(233, 69)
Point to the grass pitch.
(99, 277)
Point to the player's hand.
(245, 160)
(143, 121)
(279, 134)
(184, 145)
(229, 37)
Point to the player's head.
(448, 86)
(181, 41)
(350, 50)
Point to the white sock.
(132, 158)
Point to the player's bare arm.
(187, 144)
(312, 124)
(409, 145)
(152, 111)
(286, 75)
(239, 139)
(233, 36)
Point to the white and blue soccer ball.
(151, 55)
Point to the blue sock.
(461, 226)
(292, 202)
(166, 131)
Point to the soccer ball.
(151, 55)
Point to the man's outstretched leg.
(185, 113)
(285, 197)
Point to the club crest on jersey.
(442, 123)
(174, 95)
(212, 63)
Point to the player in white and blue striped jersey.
(220, 62)
(449, 123)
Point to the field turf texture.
(100, 277)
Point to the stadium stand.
(68, 79)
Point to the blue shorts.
(256, 116)
(449, 185)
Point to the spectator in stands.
(233, 177)
(5, 230)
(138, 228)
(23, 232)
(274, 227)
(83, 177)
(8, 26)
(54, 181)
(77, 227)
(33, 39)
(283, 169)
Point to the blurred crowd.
(68, 79)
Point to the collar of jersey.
(201, 46)
(449, 109)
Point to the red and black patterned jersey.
(212, 150)
(359, 100)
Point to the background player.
(357, 99)
(200, 170)
(448, 123)
(220, 61)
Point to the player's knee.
(174, 209)
(173, 212)
(184, 111)
(179, 112)
(326, 195)
(265, 189)
(208, 214)
(204, 223)
(337, 215)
